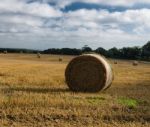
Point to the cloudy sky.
(42, 24)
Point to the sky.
(43, 24)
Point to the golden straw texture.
(88, 73)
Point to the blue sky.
(42, 24)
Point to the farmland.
(33, 92)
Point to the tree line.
(17, 50)
(136, 53)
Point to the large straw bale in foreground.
(88, 73)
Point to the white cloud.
(40, 25)
(97, 19)
(21, 19)
(36, 9)
(126, 3)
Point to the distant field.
(33, 93)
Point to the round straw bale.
(135, 63)
(115, 62)
(5, 52)
(60, 59)
(38, 55)
(88, 73)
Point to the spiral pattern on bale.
(88, 73)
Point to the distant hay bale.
(135, 63)
(5, 52)
(60, 59)
(115, 62)
(88, 73)
(38, 55)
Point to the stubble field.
(33, 92)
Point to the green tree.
(130, 52)
(146, 51)
(86, 49)
(114, 52)
(101, 51)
